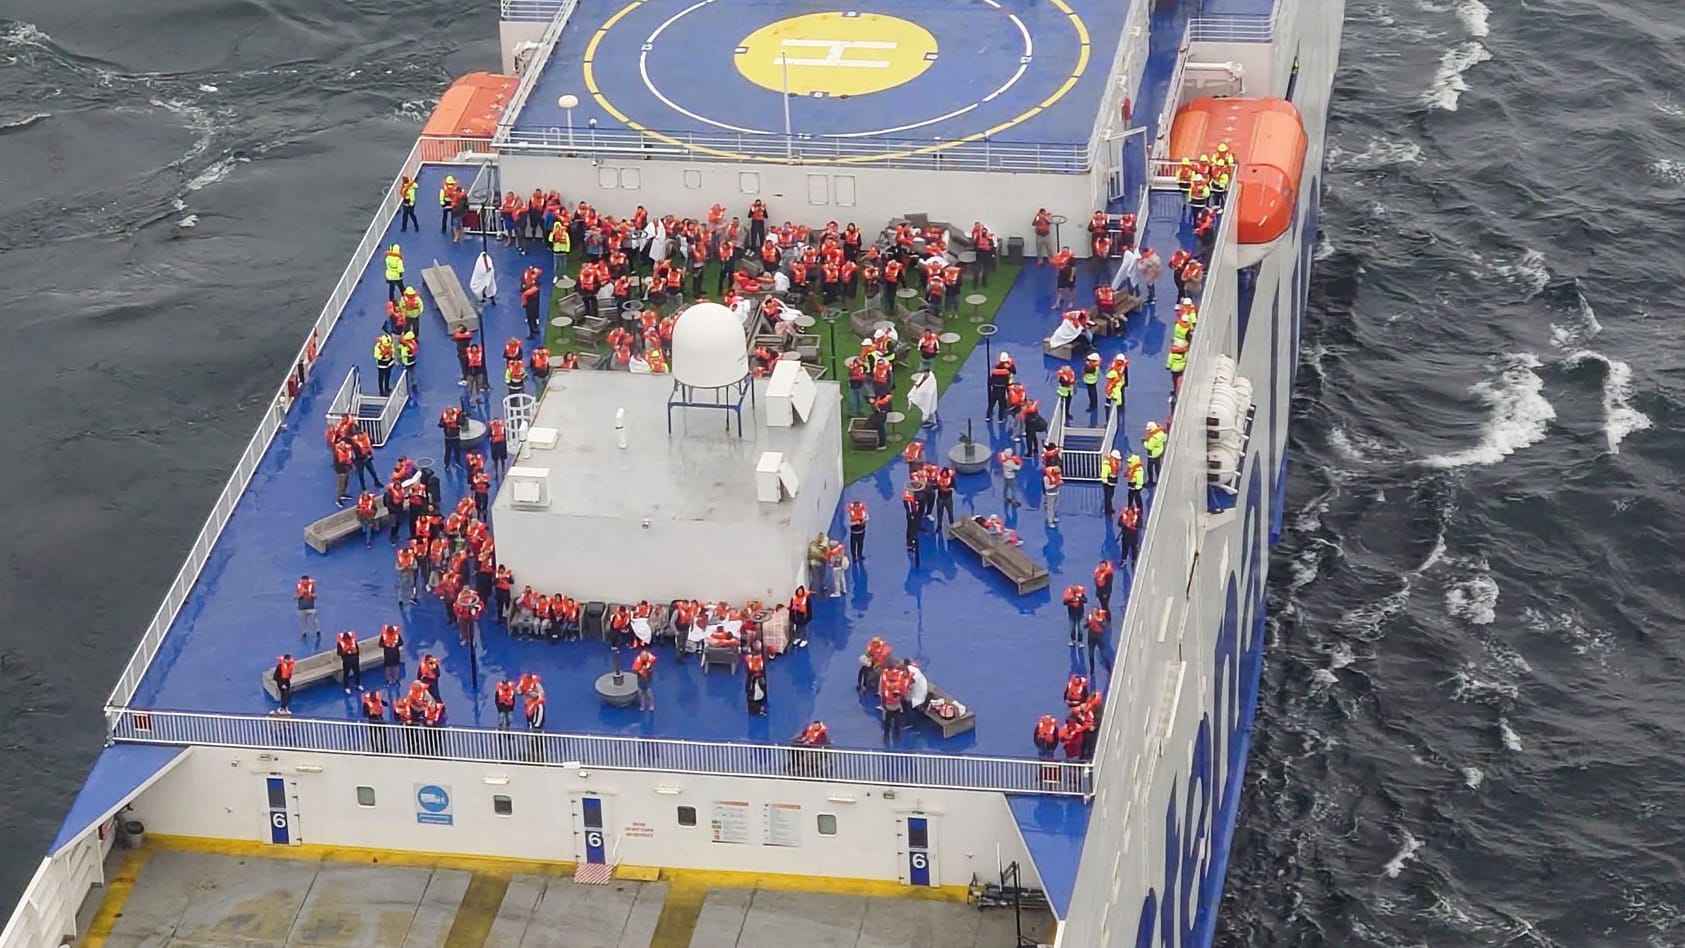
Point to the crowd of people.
(768, 274)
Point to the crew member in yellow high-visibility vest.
(385, 356)
(394, 272)
(561, 244)
(1110, 467)
(1136, 477)
(1154, 444)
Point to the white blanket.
(1064, 334)
(924, 394)
(484, 280)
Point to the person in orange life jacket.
(892, 700)
(391, 653)
(856, 386)
(754, 684)
(503, 698)
(480, 484)
(927, 491)
(1033, 425)
(350, 660)
(283, 677)
(427, 675)
(1103, 574)
(1065, 294)
(879, 420)
(497, 432)
(1071, 736)
(532, 297)
(533, 689)
(396, 497)
(343, 458)
(757, 223)
(362, 457)
(1129, 535)
(503, 587)
(304, 596)
(1075, 599)
(944, 497)
(1052, 479)
(450, 422)
(368, 516)
(1046, 736)
(474, 361)
(643, 666)
(801, 613)
(1089, 714)
(374, 712)
(1000, 379)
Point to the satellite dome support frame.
(727, 398)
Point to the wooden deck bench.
(317, 668)
(950, 727)
(341, 524)
(449, 298)
(1026, 574)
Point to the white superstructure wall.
(535, 812)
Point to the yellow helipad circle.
(832, 54)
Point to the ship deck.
(1002, 654)
(721, 75)
(198, 893)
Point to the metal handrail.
(274, 419)
(931, 154)
(529, 78)
(1118, 79)
(529, 11)
(1233, 29)
(1140, 612)
(1172, 95)
(599, 752)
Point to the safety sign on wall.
(433, 804)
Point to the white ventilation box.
(769, 487)
(542, 438)
(790, 394)
(529, 487)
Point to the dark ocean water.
(1468, 731)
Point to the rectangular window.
(918, 834)
(277, 794)
(365, 796)
(502, 805)
(687, 816)
(827, 824)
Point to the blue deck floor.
(1000, 66)
(1003, 654)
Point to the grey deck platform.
(203, 900)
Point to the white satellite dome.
(709, 350)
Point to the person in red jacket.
(644, 667)
(1075, 599)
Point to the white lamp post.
(568, 103)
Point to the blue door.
(280, 814)
(918, 851)
(591, 819)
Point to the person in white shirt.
(781, 283)
(918, 693)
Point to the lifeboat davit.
(1267, 137)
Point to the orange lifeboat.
(468, 111)
(1268, 140)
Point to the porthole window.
(365, 796)
(687, 816)
(827, 824)
(502, 805)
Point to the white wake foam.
(1512, 740)
(1529, 271)
(1406, 852)
(24, 122)
(1473, 777)
(1473, 14)
(1620, 418)
(1474, 599)
(1519, 415)
(1448, 85)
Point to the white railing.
(1172, 96)
(930, 155)
(1125, 74)
(830, 765)
(535, 67)
(1233, 29)
(349, 401)
(447, 149)
(272, 421)
(530, 11)
(46, 913)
